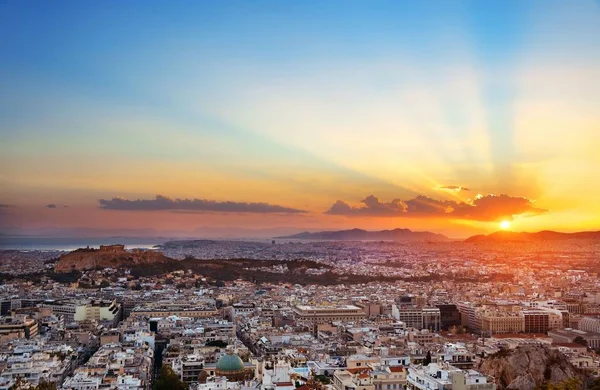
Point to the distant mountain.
(359, 234)
(546, 235)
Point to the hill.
(114, 256)
(546, 235)
(359, 235)
(529, 367)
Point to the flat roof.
(325, 308)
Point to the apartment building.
(447, 377)
(389, 378)
(346, 380)
(20, 326)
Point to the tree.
(46, 386)
(427, 359)
(580, 340)
(568, 384)
(104, 284)
(216, 343)
(595, 384)
(168, 380)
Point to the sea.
(71, 243)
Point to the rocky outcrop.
(527, 367)
(114, 256)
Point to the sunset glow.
(257, 117)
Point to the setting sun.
(505, 225)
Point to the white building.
(446, 377)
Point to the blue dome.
(230, 363)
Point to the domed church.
(232, 367)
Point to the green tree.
(427, 359)
(568, 384)
(580, 340)
(216, 343)
(323, 379)
(43, 385)
(104, 284)
(595, 384)
(168, 380)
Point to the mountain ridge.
(397, 234)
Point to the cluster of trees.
(571, 384)
(36, 277)
(427, 360)
(580, 340)
(217, 343)
(168, 380)
(22, 385)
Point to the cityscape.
(315, 195)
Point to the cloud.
(51, 206)
(2, 205)
(372, 207)
(482, 208)
(161, 202)
(453, 188)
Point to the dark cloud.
(372, 207)
(482, 208)
(453, 188)
(165, 203)
(51, 206)
(2, 205)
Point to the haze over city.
(265, 118)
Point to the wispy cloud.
(482, 208)
(453, 188)
(51, 206)
(161, 202)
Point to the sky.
(241, 117)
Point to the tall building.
(536, 321)
(449, 316)
(419, 317)
(468, 316)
